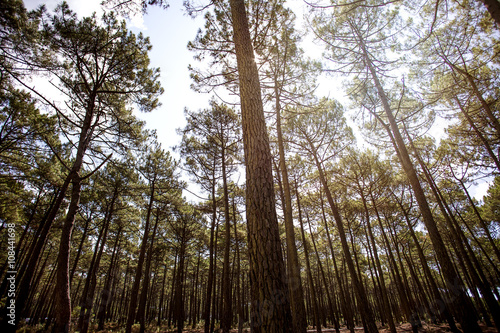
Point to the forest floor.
(407, 328)
(400, 329)
(433, 328)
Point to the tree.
(270, 308)
(210, 144)
(359, 40)
(184, 229)
(288, 79)
(159, 171)
(361, 176)
(100, 77)
(324, 139)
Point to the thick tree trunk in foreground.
(270, 307)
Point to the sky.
(170, 31)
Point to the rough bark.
(62, 293)
(270, 307)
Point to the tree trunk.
(162, 295)
(345, 301)
(308, 266)
(90, 283)
(226, 282)
(270, 307)
(385, 300)
(208, 298)
(179, 314)
(138, 273)
(62, 294)
(78, 253)
(106, 294)
(239, 301)
(331, 305)
(141, 312)
(363, 305)
(292, 257)
(24, 280)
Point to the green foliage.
(211, 135)
(491, 205)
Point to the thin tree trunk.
(345, 301)
(363, 304)
(24, 280)
(179, 314)
(160, 307)
(312, 288)
(106, 294)
(89, 296)
(441, 304)
(141, 312)
(385, 300)
(226, 282)
(239, 295)
(208, 298)
(292, 257)
(78, 253)
(140, 263)
(331, 305)
(461, 303)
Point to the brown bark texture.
(270, 307)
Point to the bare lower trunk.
(270, 307)
(62, 294)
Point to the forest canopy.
(312, 212)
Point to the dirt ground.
(407, 328)
(401, 328)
